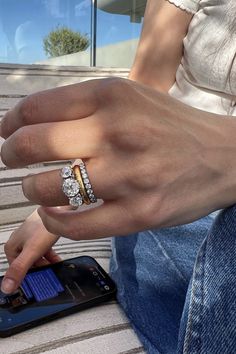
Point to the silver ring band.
(87, 183)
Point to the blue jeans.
(178, 285)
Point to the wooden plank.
(13, 215)
(84, 326)
(8, 101)
(116, 342)
(16, 174)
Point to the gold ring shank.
(79, 179)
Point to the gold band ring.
(79, 179)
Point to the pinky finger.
(98, 222)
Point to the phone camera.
(71, 265)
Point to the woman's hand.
(154, 161)
(31, 244)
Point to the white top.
(206, 77)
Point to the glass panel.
(119, 25)
(25, 23)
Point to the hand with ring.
(153, 161)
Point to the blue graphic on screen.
(41, 285)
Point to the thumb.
(17, 271)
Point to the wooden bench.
(102, 329)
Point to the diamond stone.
(88, 186)
(86, 180)
(76, 201)
(66, 172)
(70, 187)
(84, 174)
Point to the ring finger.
(46, 188)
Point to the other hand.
(30, 245)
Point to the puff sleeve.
(190, 6)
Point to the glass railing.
(69, 32)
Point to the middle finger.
(53, 141)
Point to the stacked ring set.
(76, 185)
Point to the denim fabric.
(176, 285)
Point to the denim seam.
(169, 259)
(199, 271)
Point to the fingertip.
(8, 285)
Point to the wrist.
(222, 159)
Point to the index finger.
(58, 104)
(17, 270)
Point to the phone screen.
(50, 290)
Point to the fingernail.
(8, 286)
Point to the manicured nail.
(8, 286)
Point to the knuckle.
(34, 250)
(130, 139)
(38, 190)
(23, 144)
(7, 248)
(147, 216)
(28, 108)
(33, 189)
(147, 176)
(112, 89)
(133, 134)
(17, 269)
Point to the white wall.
(118, 55)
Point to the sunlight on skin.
(156, 61)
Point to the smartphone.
(54, 291)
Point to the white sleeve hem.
(189, 6)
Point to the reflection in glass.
(25, 23)
(118, 29)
